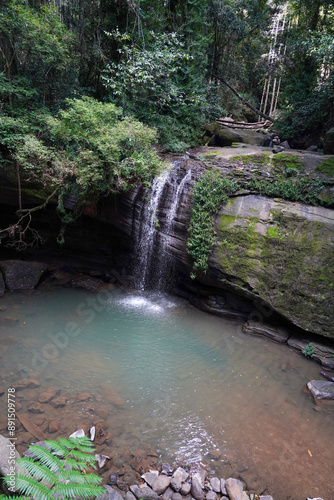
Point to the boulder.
(225, 137)
(321, 389)
(277, 254)
(8, 457)
(22, 275)
(211, 128)
(329, 142)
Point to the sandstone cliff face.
(279, 252)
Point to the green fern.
(58, 470)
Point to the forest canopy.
(88, 88)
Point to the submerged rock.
(321, 389)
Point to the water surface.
(182, 381)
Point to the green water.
(185, 382)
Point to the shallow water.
(180, 380)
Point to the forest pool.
(192, 386)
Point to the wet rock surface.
(321, 389)
(22, 275)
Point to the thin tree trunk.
(248, 104)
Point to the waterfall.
(154, 227)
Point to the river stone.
(110, 494)
(177, 480)
(53, 426)
(150, 477)
(145, 493)
(185, 489)
(223, 486)
(268, 497)
(160, 484)
(167, 495)
(177, 496)
(166, 469)
(22, 275)
(211, 495)
(200, 475)
(279, 334)
(184, 473)
(234, 489)
(321, 389)
(244, 496)
(215, 484)
(129, 496)
(196, 488)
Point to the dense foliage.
(78, 78)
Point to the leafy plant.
(308, 351)
(210, 193)
(58, 470)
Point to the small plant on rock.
(308, 351)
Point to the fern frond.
(29, 486)
(82, 457)
(83, 444)
(74, 464)
(77, 477)
(58, 448)
(85, 491)
(39, 471)
(46, 457)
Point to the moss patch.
(258, 158)
(326, 167)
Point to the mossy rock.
(326, 167)
(287, 164)
(279, 253)
(226, 137)
(211, 128)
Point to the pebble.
(78, 434)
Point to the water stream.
(158, 371)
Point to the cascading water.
(154, 225)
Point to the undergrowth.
(210, 193)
